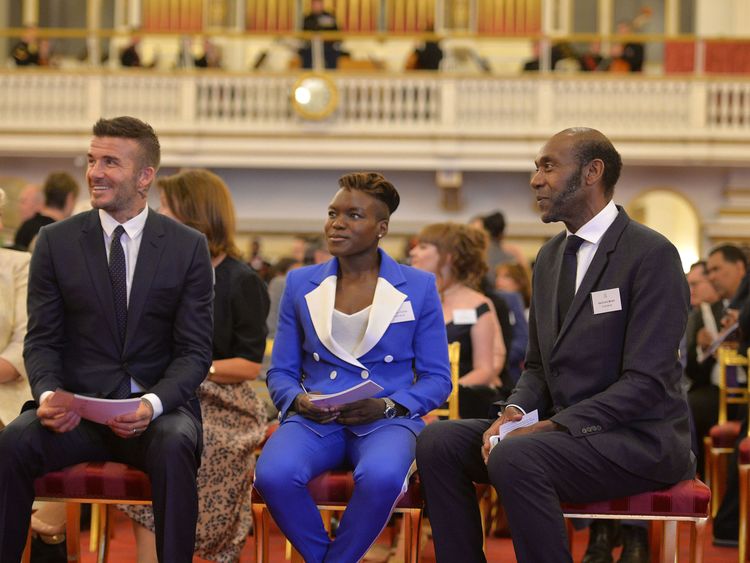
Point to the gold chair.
(450, 409)
(720, 442)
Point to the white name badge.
(464, 316)
(405, 313)
(606, 301)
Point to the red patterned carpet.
(498, 549)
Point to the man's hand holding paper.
(510, 414)
(57, 416)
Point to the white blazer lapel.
(385, 304)
(320, 303)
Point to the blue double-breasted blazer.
(404, 348)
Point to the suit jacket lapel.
(385, 304)
(594, 272)
(95, 256)
(149, 254)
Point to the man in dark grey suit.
(603, 372)
(120, 304)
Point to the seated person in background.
(29, 204)
(426, 57)
(26, 51)
(704, 319)
(234, 418)
(60, 196)
(603, 375)
(454, 253)
(48, 520)
(14, 386)
(360, 316)
(499, 251)
(320, 20)
(514, 287)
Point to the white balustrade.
(382, 106)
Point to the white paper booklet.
(90, 408)
(528, 419)
(363, 390)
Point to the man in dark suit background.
(120, 304)
(603, 372)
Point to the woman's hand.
(362, 412)
(305, 407)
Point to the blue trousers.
(295, 454)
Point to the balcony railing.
(378, 106)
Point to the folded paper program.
(527, 420)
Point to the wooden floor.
(498, 549)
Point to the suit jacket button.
(365, 374)
(316, 356)
(388, 359)
(584, 430)
(333, 374)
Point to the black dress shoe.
(604, 536)
(634, 545)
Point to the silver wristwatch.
(390, 408)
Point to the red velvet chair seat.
(685, 499)
(744, 450)
(95, 481)
(724, 435)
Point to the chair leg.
(26, 557)
(743, 494)
(260, 532)
(73, 530)
(104, 534)
(697, 533)
(669, 542)
(94, 529)
(412, 535)
(718, 478)
(570, 530)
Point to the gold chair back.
(451, 410)
(732, 393)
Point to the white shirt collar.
(133, 227)
(594, 230)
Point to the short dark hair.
(374, 185)
(699, 264)
(57, 186)
(494, 224)
(132, 128)
(730, 253)
(591, 144)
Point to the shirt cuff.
(44, 396)
(156, 403)
(517, 407)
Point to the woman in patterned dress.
(234, 419)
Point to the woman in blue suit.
(356, 317)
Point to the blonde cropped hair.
(200, 199)
(465, 245)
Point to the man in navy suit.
(120, 304)
(608, 310)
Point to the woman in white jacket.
(14, 273)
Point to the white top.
(130, 240)
(348, 330)
(592, 233)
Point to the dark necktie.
(118, 277)
(567, 288)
